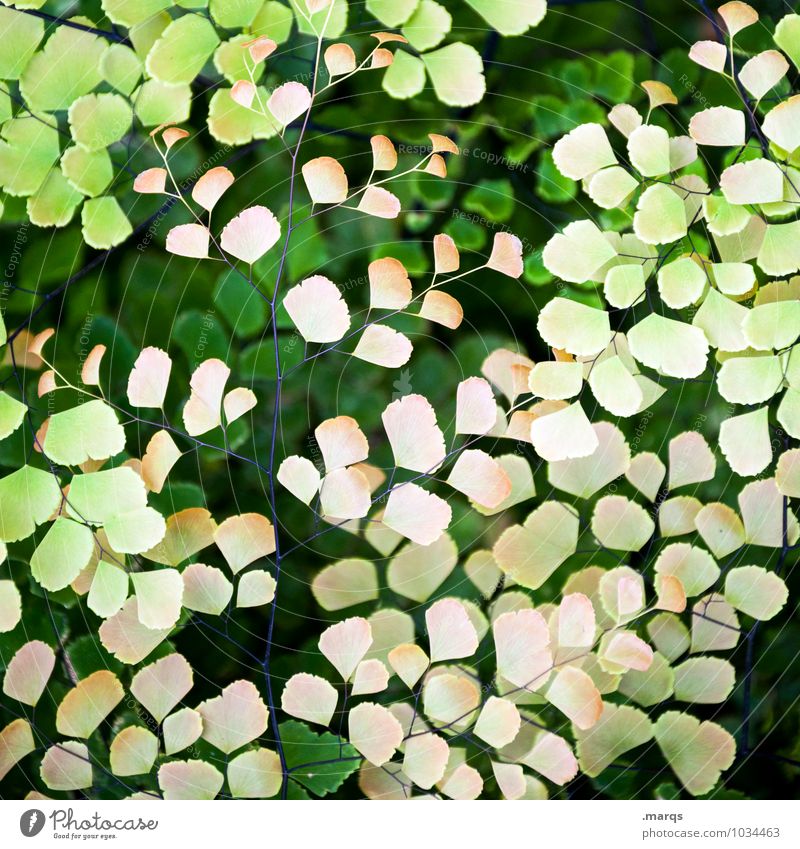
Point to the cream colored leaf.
(318, 310)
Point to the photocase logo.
(31, 822)
(64, 824)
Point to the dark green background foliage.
(584, 58)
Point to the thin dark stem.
(267, 661)
(53, 19)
